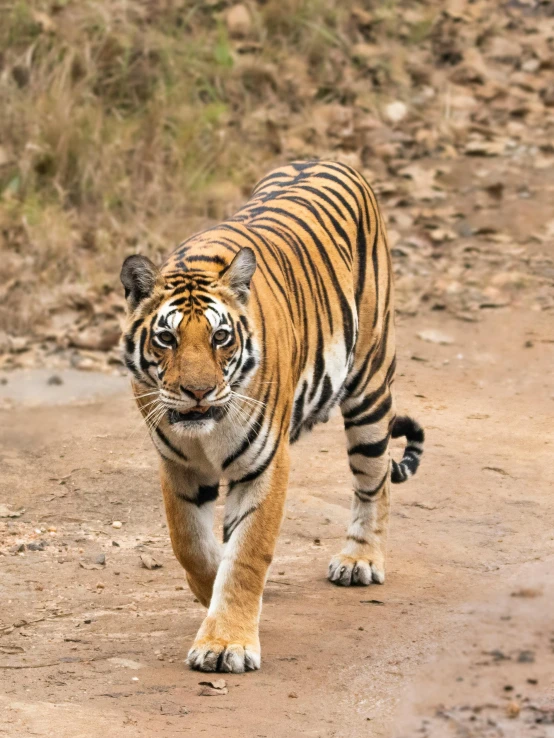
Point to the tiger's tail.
(411, 430)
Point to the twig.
(29, 666)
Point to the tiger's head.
(189, 341)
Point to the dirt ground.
(458, 642)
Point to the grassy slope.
(126, 125)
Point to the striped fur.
(249, 335)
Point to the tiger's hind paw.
(347, 571)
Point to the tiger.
(248, 335)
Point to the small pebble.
(40, 546)
(117, 524)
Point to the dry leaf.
(11, 649)
(527, 592)
(126, 663)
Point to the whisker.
(240, 412)
(147, 394)
(246, 398)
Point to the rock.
(54, 380)
(365, 52)
(547, 96)
(213, 688)
(504, 50)
(97, 338)
(5, 512)
(396, 111)
(117, 524)
(36, 546)
(149, 562)
(238, 21)
(433, 336)
(18, 344)
(90, 567)
(484, 148)
(100, 559)
(513, 709)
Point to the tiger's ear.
(240, 271)
(139, 276)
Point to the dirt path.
(90, 649)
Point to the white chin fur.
(193, 428)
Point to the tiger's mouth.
(194, 416)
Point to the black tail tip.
(408, 428)
(414, 434)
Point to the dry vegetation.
(127, 124)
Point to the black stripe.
(377, 415)
(168, 443)
(370, 450)
(298, 413)
(319, 361)
(372, 398)
(371, 492)
(215, 259)
(229, 528)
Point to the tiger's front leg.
(189, 504)
(228, 638)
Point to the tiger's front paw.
(347, 571)
(216, 649)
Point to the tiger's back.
(323, 282)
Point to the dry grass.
(126, 124)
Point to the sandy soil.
(458, 642)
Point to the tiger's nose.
(197, 392)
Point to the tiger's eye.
(166, 337)
(220, 336)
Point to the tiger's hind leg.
(367, 418)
